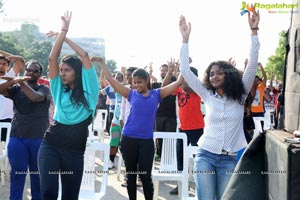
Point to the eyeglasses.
(32, 70)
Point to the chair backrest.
(91, 170)
(3, 146)
(91, 132)
(100, 120)
(168, 160)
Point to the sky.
(138, 32)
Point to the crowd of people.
(139, 104)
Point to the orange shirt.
(189, 111)
(258, 102)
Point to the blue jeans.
(212, 173)
(51, 160)
(22, 154)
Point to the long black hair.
(77, 96)
(233, 86)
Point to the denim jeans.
(212, 173)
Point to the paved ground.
(114, 189)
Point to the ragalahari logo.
(246, 8)
(270, 7)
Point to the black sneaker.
(174, 191)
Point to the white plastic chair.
(89, 189)
(3, 150)
(191, 152)
(258, 127)
(99, 124)
(120, 164)
(90, 173)
(167, 170)
(269, 119)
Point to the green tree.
(39, 51)
(7, 44)
(27, 34)
(275, 62)
(111, 65)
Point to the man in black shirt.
(30, 121)
(166, 114)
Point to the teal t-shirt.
(67, 112)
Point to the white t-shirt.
(7, 110)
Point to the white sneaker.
(110, 164)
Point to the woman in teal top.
(74, 87)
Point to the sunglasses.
(32, 70)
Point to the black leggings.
(138, 157)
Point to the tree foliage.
(275, 62)
(1, 4)
(31, 44)
(7, 44)
(27, 42)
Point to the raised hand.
(66, 19)
(171, 66)
(16, 58)
(150, 67)
(253, 19)
(232, 62)
(185, 29)
(97, 59)
(52, 34)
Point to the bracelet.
(63, 29)
(254, 28)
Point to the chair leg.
(120, 162)
(183, 189)
(156, 188)
(180, 190)
(2, 173)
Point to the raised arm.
(102, 79)
(171, 68)
(19, 63)
(250, 70)
(263, 72)
(188, 75)
(82, 53)
(153, 79)
(170, 89)
(56, 49)
(118, 87)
